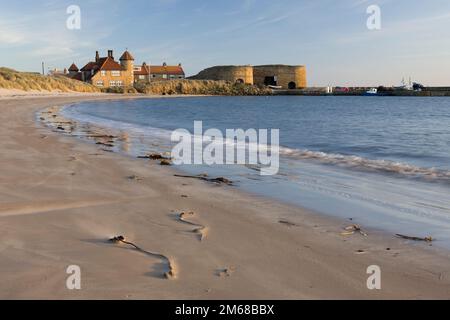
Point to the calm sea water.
(382, 161)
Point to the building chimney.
(97, 57)
(164, 64)
(110, 54)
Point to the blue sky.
(330, 37)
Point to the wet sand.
(62, 199)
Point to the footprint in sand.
(200, 230)
(287, 223)
(135, 178)
(226, 272)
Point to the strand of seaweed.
(171, 274)
(218, 180)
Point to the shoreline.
(122, 140)
(83, 197)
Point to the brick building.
(106, 72)
(147, 73)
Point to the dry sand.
(62, 199)
(16, 93)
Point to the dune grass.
(27, 81)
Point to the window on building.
(115, 73)
(141, 77)
(164, 76)
(153, 75)
(103, 73)
(114, 83)
(99, 83)
(172, 76)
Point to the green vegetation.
(12, 79)
(201, 87)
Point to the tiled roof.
(89, 66)
(126, 56)
(175, 70)
(73, 67)
(145, 70)
(107, 63)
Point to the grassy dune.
(201, 87)
(12, 79)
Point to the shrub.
(113, 90)
(200, 87)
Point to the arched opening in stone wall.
(241, 81)
(292, 85)
(270, 81)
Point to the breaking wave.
(360, 163)
(351, 162)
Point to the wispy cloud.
(329, 36)
(45, 36)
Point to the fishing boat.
(405, 86)
(371, 92)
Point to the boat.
(405, 86)
(371, 92)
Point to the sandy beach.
(62, 199)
